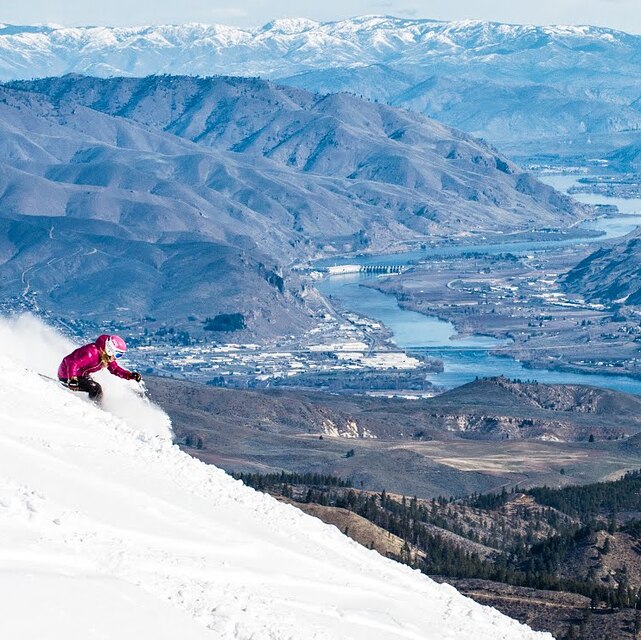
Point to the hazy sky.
(619, 14)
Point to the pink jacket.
(87, 359)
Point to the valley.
(450, 196)
(485, 308)
(520, 300)
(528, 300)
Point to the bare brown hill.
(359, 529)
(494, 408)
(446, 445)
(614, 559)
(571, 398)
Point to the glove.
(73, 384)
(136, 376)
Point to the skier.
(75, 368)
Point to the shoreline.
(464, 242)
(508, 350)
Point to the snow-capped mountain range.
(108, 530)
(558, 89)
(184, 196)
(292, 46)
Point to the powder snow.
(108, 530)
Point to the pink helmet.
(115, 346)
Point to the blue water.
(611, 227)
(465, 358)
(411, 329)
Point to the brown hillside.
(358, 529)
(612, 559)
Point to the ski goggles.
(119, 354)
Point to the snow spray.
(30, 343)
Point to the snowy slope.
(109, 531)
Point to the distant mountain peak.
(44, 50)
(488, 67)
(289, 25)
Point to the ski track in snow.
(107, 531)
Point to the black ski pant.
(88, 385)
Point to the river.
(466, 358)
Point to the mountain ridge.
(335, 135)
(357, 34)
(120, 180)
(586, 74)
(609, 275)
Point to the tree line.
(519, 559)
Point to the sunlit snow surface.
(107, 530)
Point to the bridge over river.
(365, 268)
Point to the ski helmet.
(115, 346)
